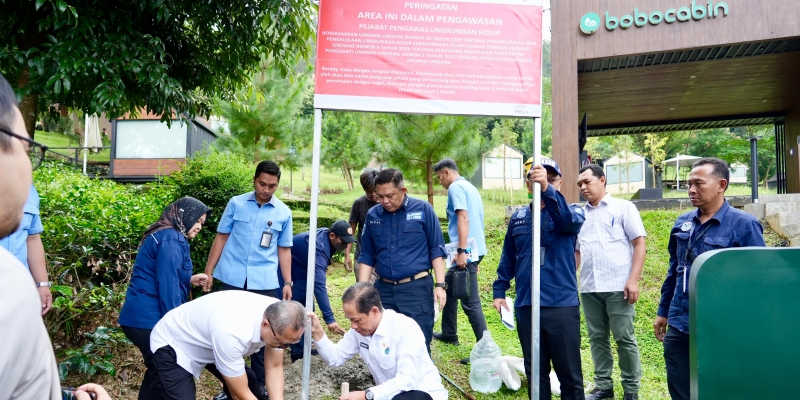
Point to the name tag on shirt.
(364, 345)
(414, 216)
(266, 239)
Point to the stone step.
(780, 220)
(758, 210)
(775, 208)
(794, 242)
(787, 230)
(779, 198)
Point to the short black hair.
(597, 170)
(721, 169)
(446, 163)
(365, 295)
(389, 175)
(269, 168)
(8, 104)
(368, 180)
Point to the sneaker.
(442, 338)
(221, 396)
(631, 396)
(598, 394)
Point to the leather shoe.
(598, 394)
(442, 338)
(465, 361)
(262, 393)
(631, 396)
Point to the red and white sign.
(462, 57)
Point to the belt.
(406, 280)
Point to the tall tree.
(413, 143)
(655, 149)
(343, 144)
(120, 56)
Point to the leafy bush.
(95, 355)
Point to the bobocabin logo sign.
(590, 22)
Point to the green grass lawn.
(51, 139)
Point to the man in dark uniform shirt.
(358, 214)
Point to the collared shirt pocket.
(715, 243)
(521, 235)
(413, 234)
(242, 225)
(612, 229)
(387, 359)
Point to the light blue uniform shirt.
(31, 224)
(243, 258)
(462, 195)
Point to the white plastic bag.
(509, 366)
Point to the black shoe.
(221, 396)
(598, 394)
(442, 338)
(631, 396)
(262, 393)
(465, 361)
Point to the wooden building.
(500, 168)
(635, 66)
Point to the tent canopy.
(682, 161)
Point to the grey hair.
(365, 296)
(286, 314)
(446, 163)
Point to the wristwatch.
(442, 285)
(287, 283)
(369, 394)
(461, 251)
(44, 284)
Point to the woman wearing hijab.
(162, 274)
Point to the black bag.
(461, 286)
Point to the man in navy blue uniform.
(329, 242)
(402, 241)
(713, 225)
(560, 336)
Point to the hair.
(389, 175)
(8, 104)
(365, 296)
(446, 163)
(286, 314)
(721, 169)
(368, 180)
(597, 170)
(269, 168)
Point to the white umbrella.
(91, 136)
(680, 161)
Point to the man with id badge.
(713, 225)
(253, 243)
(560, 317)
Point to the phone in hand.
(68, 393)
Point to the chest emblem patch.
(686, 226)
(414, 216)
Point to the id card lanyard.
(689, 250)
(266, 237)
(541, 235)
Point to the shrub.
(95, 355)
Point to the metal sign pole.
(312, 248)
(535, 262)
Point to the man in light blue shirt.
(464, 221)
(254, 239)
(26, 245)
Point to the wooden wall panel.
(565, 94)
(792, 149)
(146, 167)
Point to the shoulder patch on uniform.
(578, 209)
(522, 212)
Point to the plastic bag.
(509, 366)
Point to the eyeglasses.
(35, 150)
(281, 344)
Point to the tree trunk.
(28, 106)
(429, 179)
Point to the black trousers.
(413, 299)
(676, 356)
(257, 359)
(151, 386)
(472, 306)
(413, 395)
(560, 342)
(178, 383)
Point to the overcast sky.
(546, 21)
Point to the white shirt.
(27, 363)
(395, 354)
(218, 328)
(605, 244)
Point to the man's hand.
(497, 303)
(539, 175)
(440, 296)
(360, 395)
(660, 328)
(199, 280)
(316, 327)
(461, 260)
(47, 299)
(631, 291)
(208, 283)
(287, 292)
(82, 393)
(348, 262)
(334, 327)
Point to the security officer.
(560, 336)
(713, 225)
(402, 241)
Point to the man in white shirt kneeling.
(391, 344)
(215, 332)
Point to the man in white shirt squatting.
(391, 344)
(215, 332)
(611, 246)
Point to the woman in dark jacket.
(161, 279)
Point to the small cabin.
(500, 168)
(738, 173)
(627, 172)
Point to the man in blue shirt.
(26, 245)
(464, 221)
(713, 225)
(560, 331)
(329, 242)
(402, 241)
(254, 239)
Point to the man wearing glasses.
(215, 332)
(560, 319)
